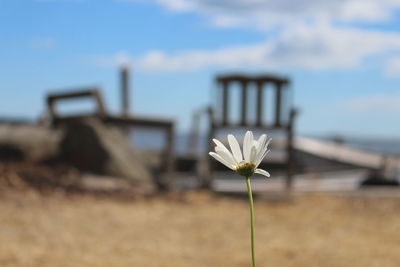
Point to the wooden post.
(101, 109)
(290, 151)
(169, 158)
(244, 103)
(51, 108)
(193, 138)
(225, 103)
(207, 177)
(278, 105)
(260, 100)
(125, 91)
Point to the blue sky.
(343, 56)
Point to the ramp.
(343, 153)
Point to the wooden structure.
(282, 118)
(124, 120)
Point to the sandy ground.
(198, 229)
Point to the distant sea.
(384, 146)
(154, 140)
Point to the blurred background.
(108, 108)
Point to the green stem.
(251, 220)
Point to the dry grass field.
(198, 229)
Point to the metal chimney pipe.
(125, 90)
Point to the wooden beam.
(74, 94)
(246, 78)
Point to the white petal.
(253, 155)
(267, 143)
(261, 142)
(264, 146)
(262, 137)
(233, 143)
(221, 145)
(259, 159)
(227, 156)
(247, 144)
(262, 172)
(220, 159)
(262, 152)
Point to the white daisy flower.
(253, 153)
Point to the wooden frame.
(93, 93)
(123, 121)
(278, 85)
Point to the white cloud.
(393, 67)
(174, 5)
(264, 14)
(307, 46)
(305, 37)
(177, 5)
(117, 59)
(378, 103)
(191, 60)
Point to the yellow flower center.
(246, 169)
